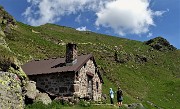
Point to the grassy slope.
(156, 80)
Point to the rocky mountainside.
(148, 72)
(12, 78)
(7, 22)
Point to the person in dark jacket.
(119, 97)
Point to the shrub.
(40, 105)
(5, 63)
(84, 103)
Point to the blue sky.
(133, 19)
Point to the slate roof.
(54, 65)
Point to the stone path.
(127, 106)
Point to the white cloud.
(83, 28)
(127, 16)
(159, 13)
(123, 16)
(150, 35)
(50, 11)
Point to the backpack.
(120, 92)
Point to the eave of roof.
(46, 66)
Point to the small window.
(97, 86)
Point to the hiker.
(111, 92)
(119, 97)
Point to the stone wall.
(11, 96)
(70, 83)
(60, 84)
(81, 81)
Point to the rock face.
(12, 80)
(5, 17)
(10, 91)
(160, 44)
(7, 22)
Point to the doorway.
(89, 86)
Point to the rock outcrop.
(160, 44)
(6, 21)
(11, 96)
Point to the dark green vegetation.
(160, 44)
(58, 105)
(145, 73)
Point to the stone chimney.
(71, 54)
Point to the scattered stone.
(44, 98)
(141, 59)
(134, 106)
(104, 96)
(154, 105)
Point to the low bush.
(40, 105)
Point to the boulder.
(33, 94)
(141, 58)
(44, 98)
(30, 89)
(11, 96)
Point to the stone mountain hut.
(67, 77)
